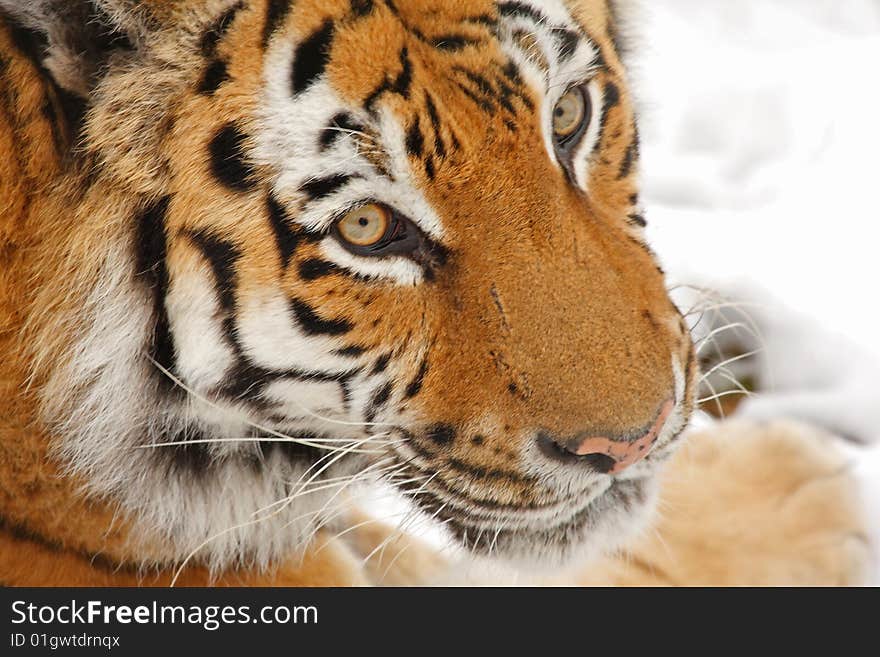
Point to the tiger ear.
(73, 40)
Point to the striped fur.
(192, 343)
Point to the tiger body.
(197, 364)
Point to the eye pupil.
(363, 221)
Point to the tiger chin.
(259, 252)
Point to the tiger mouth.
(598, 525)
(557, 527)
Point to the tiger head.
(324, 240)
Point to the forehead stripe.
(276, 12)
(311, 57)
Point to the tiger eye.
(569, 113)
(366, 225)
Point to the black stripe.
(415, 142)
(568, 42)
(222, 256)
(361, 8)
(287, 239)
(400, 85)
(340, 125)
(313, 269)
(276, 13)
(441, 434)
(379, 400)
(403, 81)
(521, 10)
(211, 37)
(323, 187)
(353, 351)
(311, 57)
(194, 459)
(416, 384)
(313, 324)
(293, 451)
(453, 42)
(228, 161)
(511, 72)
(439, 144)
(381, 364)
(482, 103)
(629, 158)
(151, 251)
(215, 75)
(610, 100)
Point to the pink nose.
(614, 455)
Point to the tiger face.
(337, 239)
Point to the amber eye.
(571, 114)
(367, 225)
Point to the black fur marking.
(312, 324)
(521, 10)
(482, 103)
(353, 351)
(215, 75)
(430, 168)
(341, 125)
(485, 20)
(286, 238)
(222, 256)
(211, 38)
(400, 85)
(610, 101)
(276, 13)
(228, 162)
(361, 8)
(324, 187)
(568, 42)
(313, 269)
(439, 144)
(292, 450)
(637, 220)
(151, 251)
(630, 157)
(415, 386)
(453, 42)
(441, 434)
(311, 57)
(381, 364)
(194, 459)
(379, 400)
(415, 142)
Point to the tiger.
(255, 254)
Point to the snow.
(760, 124)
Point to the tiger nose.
(607, 454)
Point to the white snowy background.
(761, 122)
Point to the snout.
(606, 454)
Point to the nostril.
(560, 452)
(609, 454)
(601, 463)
